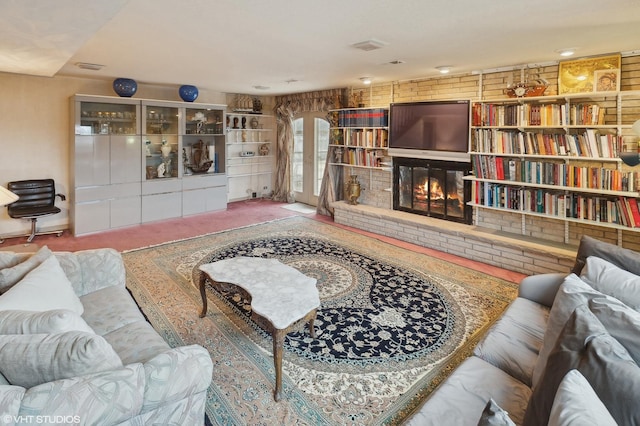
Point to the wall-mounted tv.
(438, 130)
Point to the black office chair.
(37, 198)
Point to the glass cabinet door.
(160, 137)
(203, 141)
(103, 118)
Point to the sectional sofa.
(565, 352)
(75, 348)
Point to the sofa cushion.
(576, 404)
(464, 395)
(31, 359)
(494, 415)
(105, 398)
(626, 259)
(622, 322)
(103, 317)
(572, 293)
(45, 288)
(609, 279)
(585, 344)
(11, 275)
(47, 322)
(514, 341)
(136, 342)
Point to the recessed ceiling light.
(365, 80)
(89, 66)
(566, 52)
(291, 80)
(258, 87)
(396, 62)
(444, 69)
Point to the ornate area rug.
(392, 323)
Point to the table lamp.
(632, 158)
(6, 197)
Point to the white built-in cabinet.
(115, 156)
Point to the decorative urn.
(352, 190)
(188, 93)
(125, 87)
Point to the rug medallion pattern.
(391, 325)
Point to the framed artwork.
(606, 80)
(579, 76)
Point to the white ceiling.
(233, 45)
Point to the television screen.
(441, 126)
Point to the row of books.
(368, 138)
(548, 173)
(484, 114)
(588, 144)
(616, 210)
(363, 157)
(373, 117)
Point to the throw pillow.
(493, 415)
(609, 279)
(581, 328)
(47, 322)
(576, 404)
(622, 322)
(626, 259)
(28, 360)
(572, 292)
(43, 289)
(10, 276)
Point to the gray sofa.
(565, 352)
(75, 348)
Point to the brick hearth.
(527, 256)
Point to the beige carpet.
(392, 325)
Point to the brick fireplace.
(432, 188)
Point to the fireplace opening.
(432, 188)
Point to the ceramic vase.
(125, 87)
(188, 93)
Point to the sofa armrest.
(92, 270)
(10, 401)
(541, 288)
(176, 374)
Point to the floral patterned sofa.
(75, 348)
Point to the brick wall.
(377, 184)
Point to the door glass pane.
(297, 156)
(321, 137)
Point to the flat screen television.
(438, 130)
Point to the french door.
(308, 160)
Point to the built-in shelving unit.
(250, 155)
(557, 157)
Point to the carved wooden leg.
(278, 342)
(203, 294)
(311, 329)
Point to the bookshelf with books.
(360, 137)
(557, 157)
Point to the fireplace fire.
(432, 188)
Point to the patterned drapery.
(286, 108)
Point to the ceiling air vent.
(368, 45)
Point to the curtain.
(285, 110)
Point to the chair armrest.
(62, 197)
(541, 288)
(176, 374)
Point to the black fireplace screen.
(432, 188)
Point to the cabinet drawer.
(161, 186)
(204, 181)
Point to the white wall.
(35, 132)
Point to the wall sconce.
(444, 69)
(632, 158)
(365, 80)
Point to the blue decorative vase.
(188, 93)
(125, 87)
